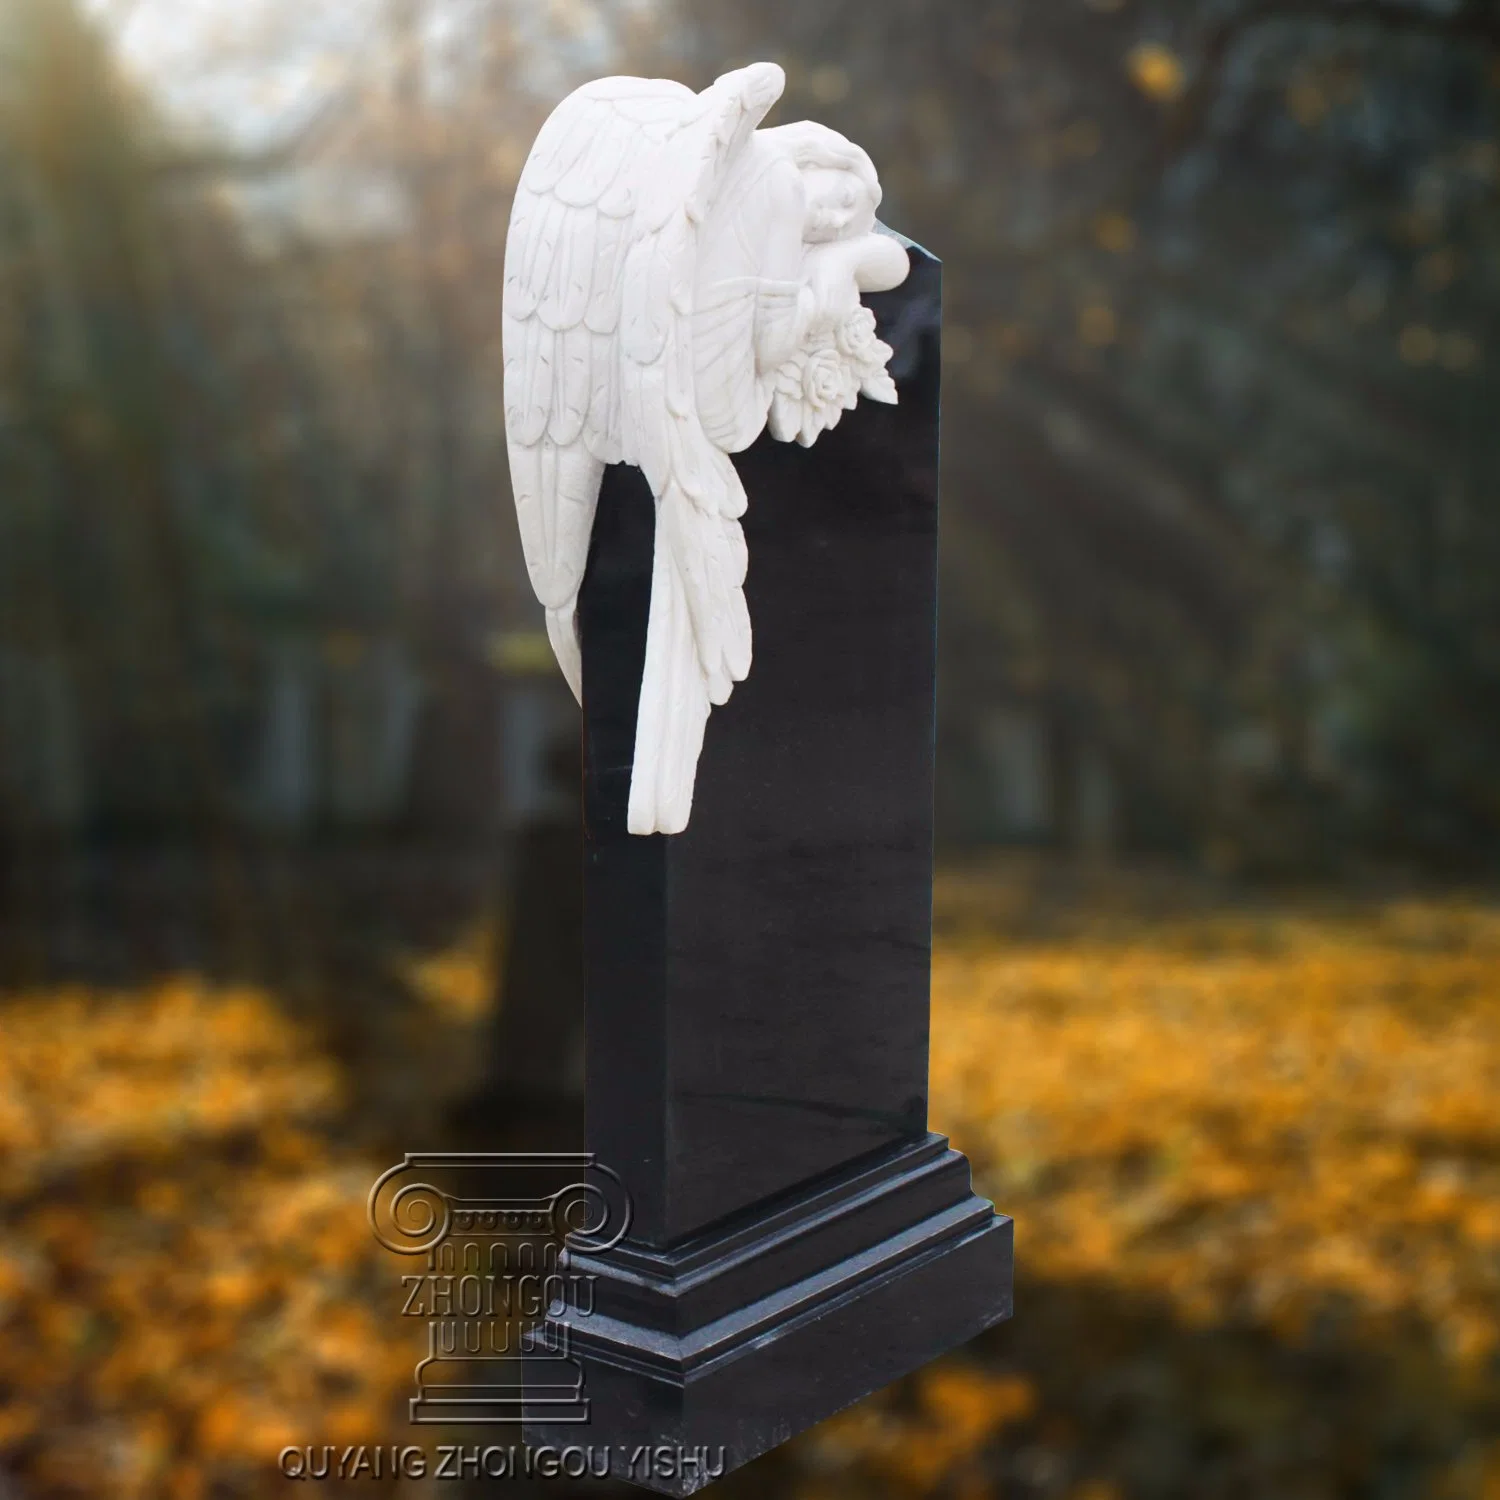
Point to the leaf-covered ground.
(1254, 1160)
(1252, 1149)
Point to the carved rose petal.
(785, 419)
(856, 337)
(823, 379)
(813, 426)
(789, 377)
(851, 387)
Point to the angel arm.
(838, 272)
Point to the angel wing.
(599, 296)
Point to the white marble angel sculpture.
(675, 279)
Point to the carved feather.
(564, 267)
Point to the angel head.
(842, 188)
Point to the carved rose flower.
(868, 355)
(814, 388)
(810, 393)
(825, 382)
(856, 338)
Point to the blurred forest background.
(1218, 979)
(1221, 547)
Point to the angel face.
(838, 203)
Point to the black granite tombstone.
(757, 987)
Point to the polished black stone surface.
(758, 985)
(757, 988)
